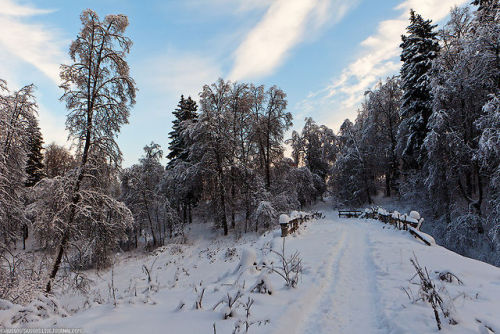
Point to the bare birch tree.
(98, 94)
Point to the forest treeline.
(429, 136)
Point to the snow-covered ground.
(353, 280)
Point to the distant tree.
(58, 160)
(318, 148)
(212, 142)
(185, 116)
(186, 111)
(34, 164)
(270, 123)
(352, 175)
(141, 192)
(297, 146)
(419, 48)
(381, 129)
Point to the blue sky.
(323, 53)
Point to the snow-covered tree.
(381, 128)
(17, 112)
(270, 123)
(419, 47)
(184, 199)
(316, 147)
(466, 75)
(212, 141)
(98, 92)
(457, 170)
(35, 169)
(488, 157)
(141, 191)
(352, 175)
(186, 111)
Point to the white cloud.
(223, 6)
(377, 60)
(9, 8)
(285, 24)
(24, 44)
(31, 43)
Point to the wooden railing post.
(284, 229)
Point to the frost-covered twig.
(199, 296)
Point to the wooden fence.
(399, 221)
(293, 224)
(350, 213)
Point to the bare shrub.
(246, 322)
(148, 271)
(430, 294)
(290, 268)
(22, 276)
(231, 304)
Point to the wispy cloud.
(35, 44)
(285, 24)
(377, 60)
(235, 6)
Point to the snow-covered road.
(355, 272)
(350, 290)
(344, 284)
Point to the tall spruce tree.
(34, 164)
(419, 48)
(186, 111)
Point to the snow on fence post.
(411, 222)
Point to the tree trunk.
(25, 235)
(233, 196)
(155, 241)
(223, 208)
(247, 216)
(60, 252)
(387, 184)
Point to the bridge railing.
(410, 223)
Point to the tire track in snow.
(349, 303)
(302, 309)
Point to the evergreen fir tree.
(419, 48)
(34, 163)
(186, 111)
